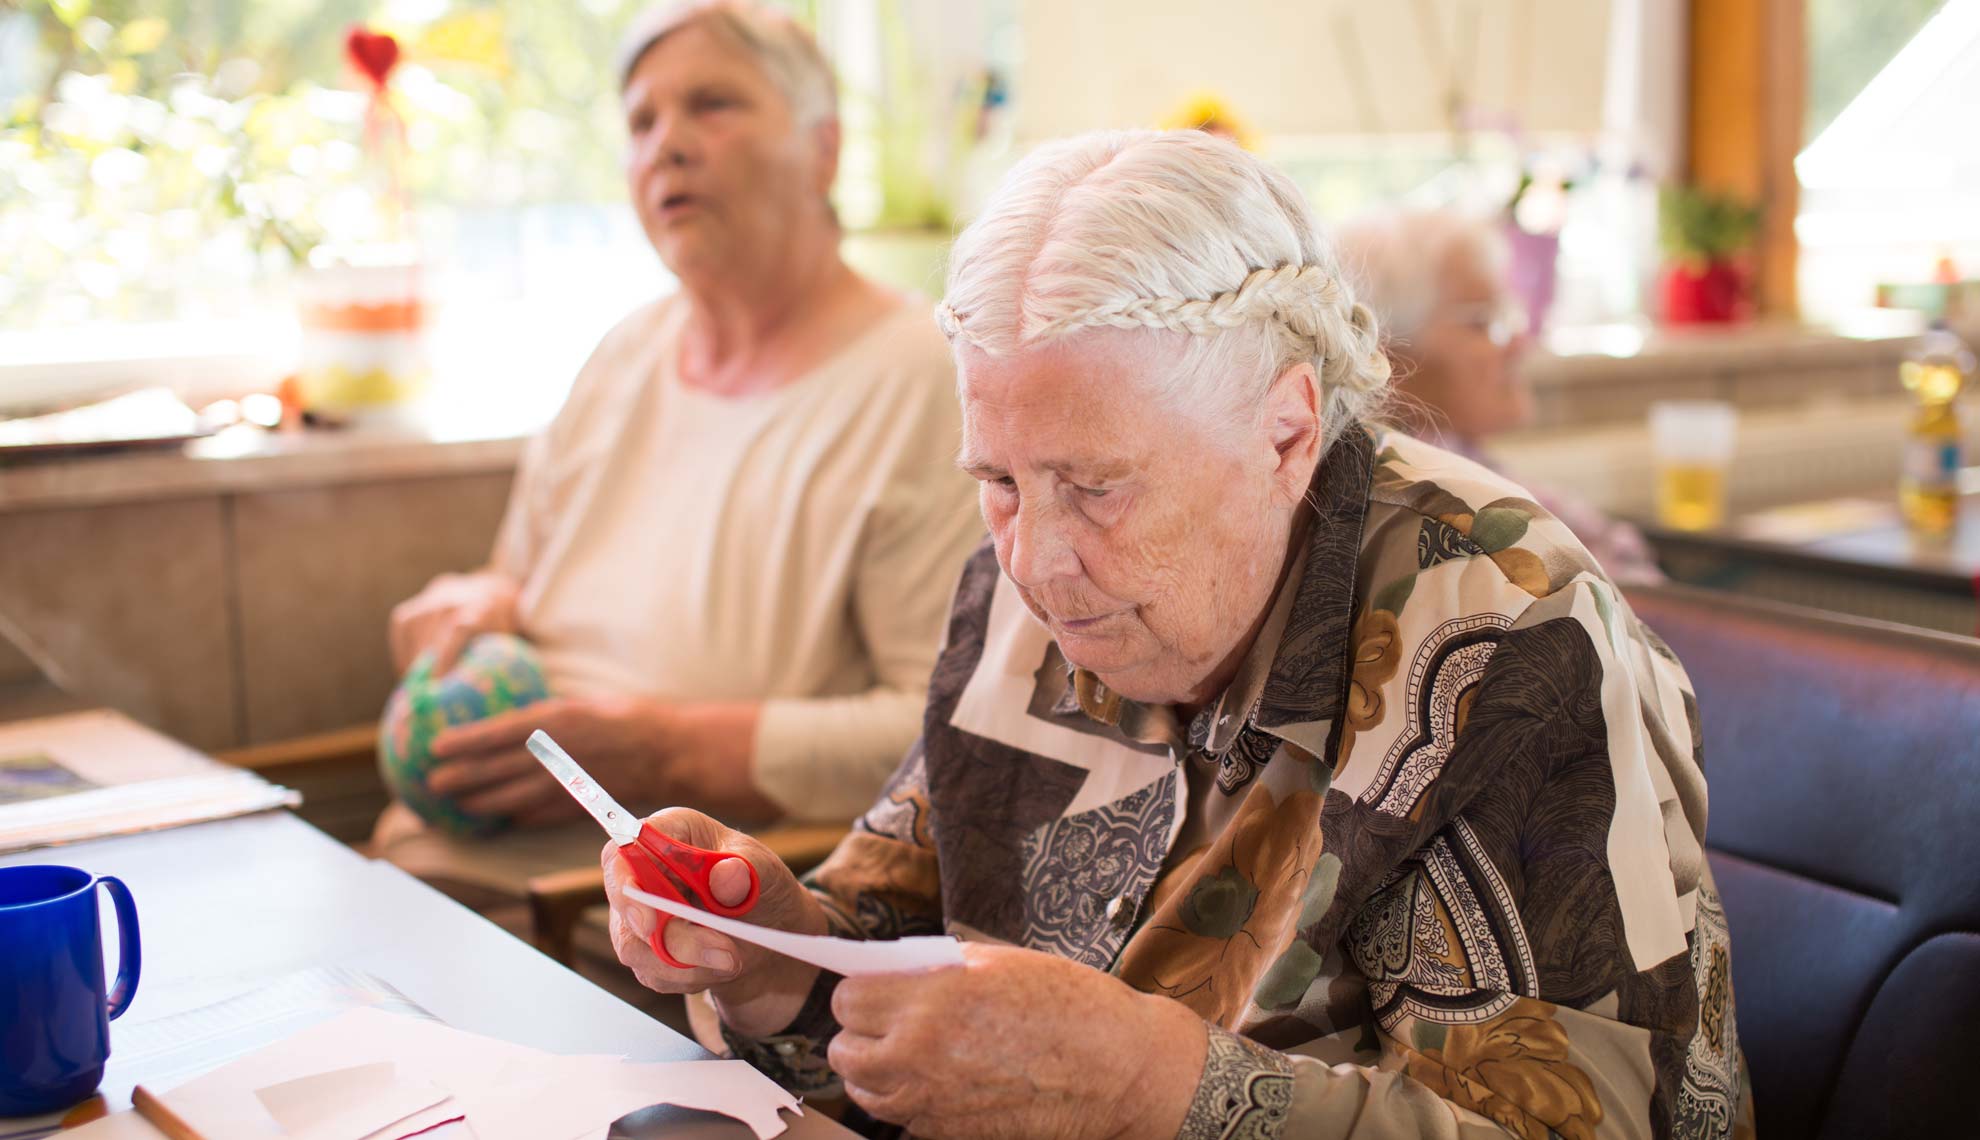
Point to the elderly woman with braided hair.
(1283, 776)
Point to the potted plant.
(1705, 237)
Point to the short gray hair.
(1180, 233)
(1397, 256)
(785, 51)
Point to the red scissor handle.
(665, 866)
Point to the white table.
(224, 906)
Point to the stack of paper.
(375, 1075)
(87, 775)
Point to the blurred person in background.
(732, 551)
(1437, 278)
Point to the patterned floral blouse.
(1431, 866)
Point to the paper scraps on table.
(373, 1075)
(529, 1102)
(848, 956)
(357, 1101)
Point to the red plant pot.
(1711, 292)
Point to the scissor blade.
(619, 823)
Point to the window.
(1890, 174)
(164, 163)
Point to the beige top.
(797, 547)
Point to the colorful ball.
(497, 672)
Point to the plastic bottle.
(1928, 493)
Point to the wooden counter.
(235, 592)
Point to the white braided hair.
(1180, 233)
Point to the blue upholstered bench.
(1843, 758)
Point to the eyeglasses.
(1502, 322)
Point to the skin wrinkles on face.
(721, 174)
(1146, 543)
(1473, 389)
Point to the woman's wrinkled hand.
(1016, 1043)
(756, 991)
(486, 767)
(447, 614)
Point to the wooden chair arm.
(557, 900)
(801, 846)
(357, 744)
(336, 772)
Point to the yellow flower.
(475, 37)
(1203, 111)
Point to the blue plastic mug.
(54, 1010)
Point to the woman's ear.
(1293, 423)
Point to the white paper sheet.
(840, 955)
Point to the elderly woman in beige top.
(735, 545)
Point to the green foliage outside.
(152, 148)
(148, 144)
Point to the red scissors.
(661, 864)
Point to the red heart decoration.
(373, 53)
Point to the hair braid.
(1340, 334)
(1177, 233)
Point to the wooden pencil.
(162, 1118)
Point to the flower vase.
(1709, 291)
(1532, 273)
(363, 350)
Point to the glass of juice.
(1691, 444)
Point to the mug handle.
(130, 959)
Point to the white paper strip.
(840, 955)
